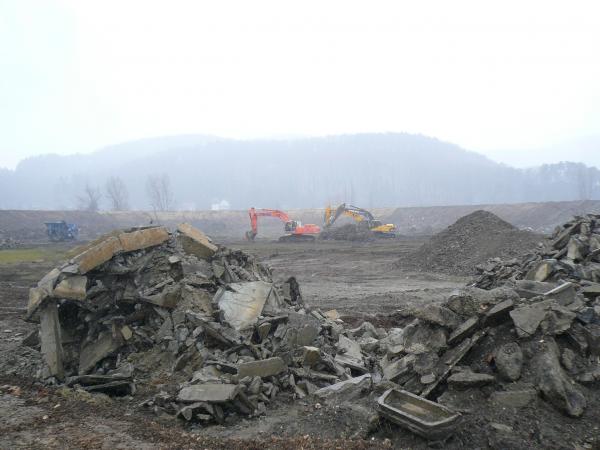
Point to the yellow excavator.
(362, 218)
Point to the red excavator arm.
(294, 227)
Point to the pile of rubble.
(571, 253)
(207, 327)
(471, 240)
(206, 323)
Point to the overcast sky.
(496, 77)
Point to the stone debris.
(204, 323)
(216, 337)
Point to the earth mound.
(349, 232)
(470, 241)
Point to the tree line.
(158, 190)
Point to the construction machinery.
(61, 231)
(362, 217)
(296, 231)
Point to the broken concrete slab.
(438, 315)
(51, 341)
(509, 361)
(553, 382)
(450, 358)
(591, 290)
(242, 303)
(95, 351)
(168, 298)
(464, 330)
(195, 242)
(72, 288)
(36, 298)
(542, 270)
(97, 254)
(467, 379)
(349, 354)
(262, 368)
(530, 288)
(498, 313)
(144, 238)
(397, 370)
(420, 337)
(208, 392)
(527, 318)
(563, 294)
(41, 292)
(346, 390)
(472, 301)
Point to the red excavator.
(297, 231)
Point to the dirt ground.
(357, 279)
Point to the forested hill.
(369, 170)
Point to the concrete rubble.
(142, 304)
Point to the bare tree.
(90, 199)
(116, 191)
(159, 192)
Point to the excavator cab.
(291, 226)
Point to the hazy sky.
(78, 75)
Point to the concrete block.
(93, 352)
(346, 390)
(311, 356)
(73, 288)
(262, 368)
(208, 392)
(98, 254)
(148, 237)
(195, 242)
(51, 340)
(242, 303)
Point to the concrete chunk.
(554, 384)
(242, 303)
(467, 379)
(499, 313)
(43, 290)
(311, 356)
(50, 335)
(464, 330)
(262, 368)
(509, 361)
(346, 390)
(36, 297)
(97, 254)
(144, 238)
(208, 392)
(95, 351)
(563, 294)
(541, 271)
(527, 319)
(73, 288)
(350, 354)
(195, 242)
(168, 298)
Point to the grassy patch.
(24, 255)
